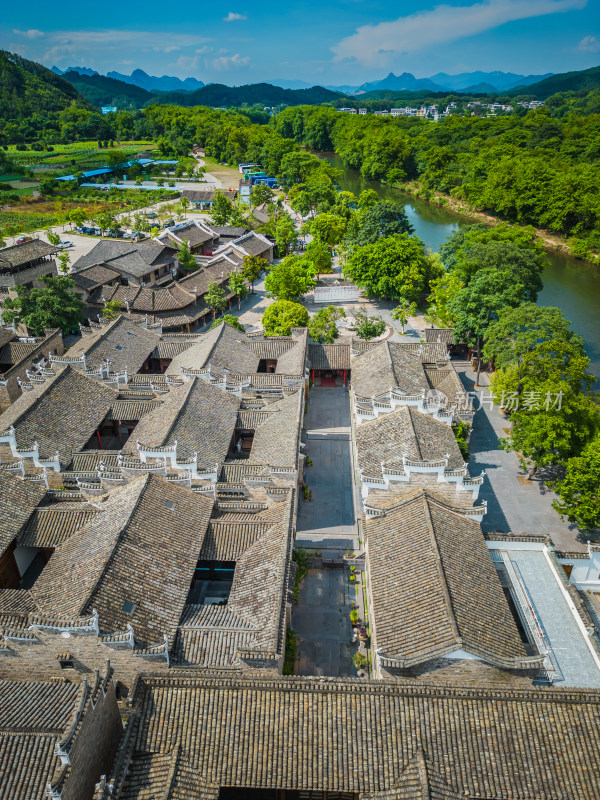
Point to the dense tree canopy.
(579, 491)
(322, 327)
(394, 267)
(520, 330)
(283, 315)
(290, 279)
(55, 305)
(377, 221)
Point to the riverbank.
(550, 241)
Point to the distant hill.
(584, 80)
(399, 83)
(152, 83)
(80, 70)
(497, 81)
(217, 94)
(27, 88)
(103, 91)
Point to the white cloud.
(590, 44)
(78, 44)
(32, 33)
(376, 45)
(232, 17)
(187, 63)
(227, 62)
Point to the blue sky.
(336, 42)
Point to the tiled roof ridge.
(402, 686)
(439, 562)
(144, 481)
(431, 497)
(189, 385)
(416, 441)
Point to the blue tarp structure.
(142, 162)
(90, 174)
(143, 188)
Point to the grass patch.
(291, 650)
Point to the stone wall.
(9, 392)
(95, 746)
(30, 275)
(464, 671)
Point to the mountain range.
(141, 79)
(467, 82)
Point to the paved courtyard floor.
(331, 512)
(322, 625)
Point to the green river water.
(571, 285)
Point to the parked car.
(168, 223)
(64, 245)
(152, 215)
(22, 239)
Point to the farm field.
(80, 155)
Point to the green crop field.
(26, 222)
(84, 154)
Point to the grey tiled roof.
(192, 233)
(199, 195)
(132, 409)
(20, 254)
(216, 271)
(18, 501)
(171, 349)
(367, 738)
(136, 257)
(276, 440)
(404, 431)
(229, 231)
(199, 416)
(444, 335)
(254, 618)
(34, 717)
(52, 525)
(223, 347)
(124, 342)
(89, 277)
(61, 414)
(89, 460)
(329, 356)
(388, 365)
(16, 351)
(434, 588)
(125, 554)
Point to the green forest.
(538, 167)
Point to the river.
(571, 285)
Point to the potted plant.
(354, 617)
(359, 660)
(362, 634)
